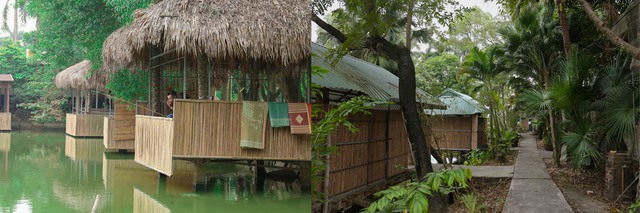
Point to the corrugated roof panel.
(459, 104)
(351, 73)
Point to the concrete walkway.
(532, 189)
(484, 171)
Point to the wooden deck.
(83, 149)
(119, 130)
(85, 125)
(5, 121)
(209, 129)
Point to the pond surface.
(52, 172)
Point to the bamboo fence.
(459, 132)
(85, 125)
(83, 149)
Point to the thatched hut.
(230, 51)
(377, 155)
(5, 94)
(85, 118)
(460, 127)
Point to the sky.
(30, 25)
(490, 7)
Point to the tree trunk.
(87, 101)
(408, 29)
(554, 140)
(77, 101)
(564, 25)
(15, 21)
(612, 37)
(203, 86)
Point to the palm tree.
(485, 71)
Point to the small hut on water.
(377, 155)
(5, 94)
(87, 110)
(238, 55)
(460, 127)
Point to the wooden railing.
(154, 143)
(119, 130)
(5, 121)
(85, 125)
(211, 129)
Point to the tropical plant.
(477, 157)
(413, 196)
(472, 203)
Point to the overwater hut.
(377, 155)
(5, 94)
(222, 52)
(87, 111)
(460, 127)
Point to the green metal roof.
(458, 104)
(351, 75)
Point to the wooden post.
(8, 95)
(77, 102)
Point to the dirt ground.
(491, 192)
(583, 189)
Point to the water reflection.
(51, 172)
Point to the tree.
(436, 73)
(471, 28)
(373, 19)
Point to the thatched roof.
(276, 31)
(75, 77)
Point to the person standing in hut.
(171, 96)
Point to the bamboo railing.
(85, 125)
(5, 121)
(211, 129)
(154, 143)
(119, 130)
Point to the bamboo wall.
(83, 149)
(5, 121)
(373, 154)
(459, 132)
(154, 143)
(5, 141)
(119, 131)
(85, 125)
(211, 129)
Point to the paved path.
(532, 189)
(484, 171)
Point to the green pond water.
(52, 172)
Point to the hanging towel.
(300, 118)
(279, 114)
(253, 130)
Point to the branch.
(330, 29)
(608, 33)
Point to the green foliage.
(437, 73)
(124, 8)
(470, 28)
(129, 86)
(635, 207)
(472, 203)
(477, 157)
(413, 196)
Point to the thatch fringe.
(276, 31)
(75, 77)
